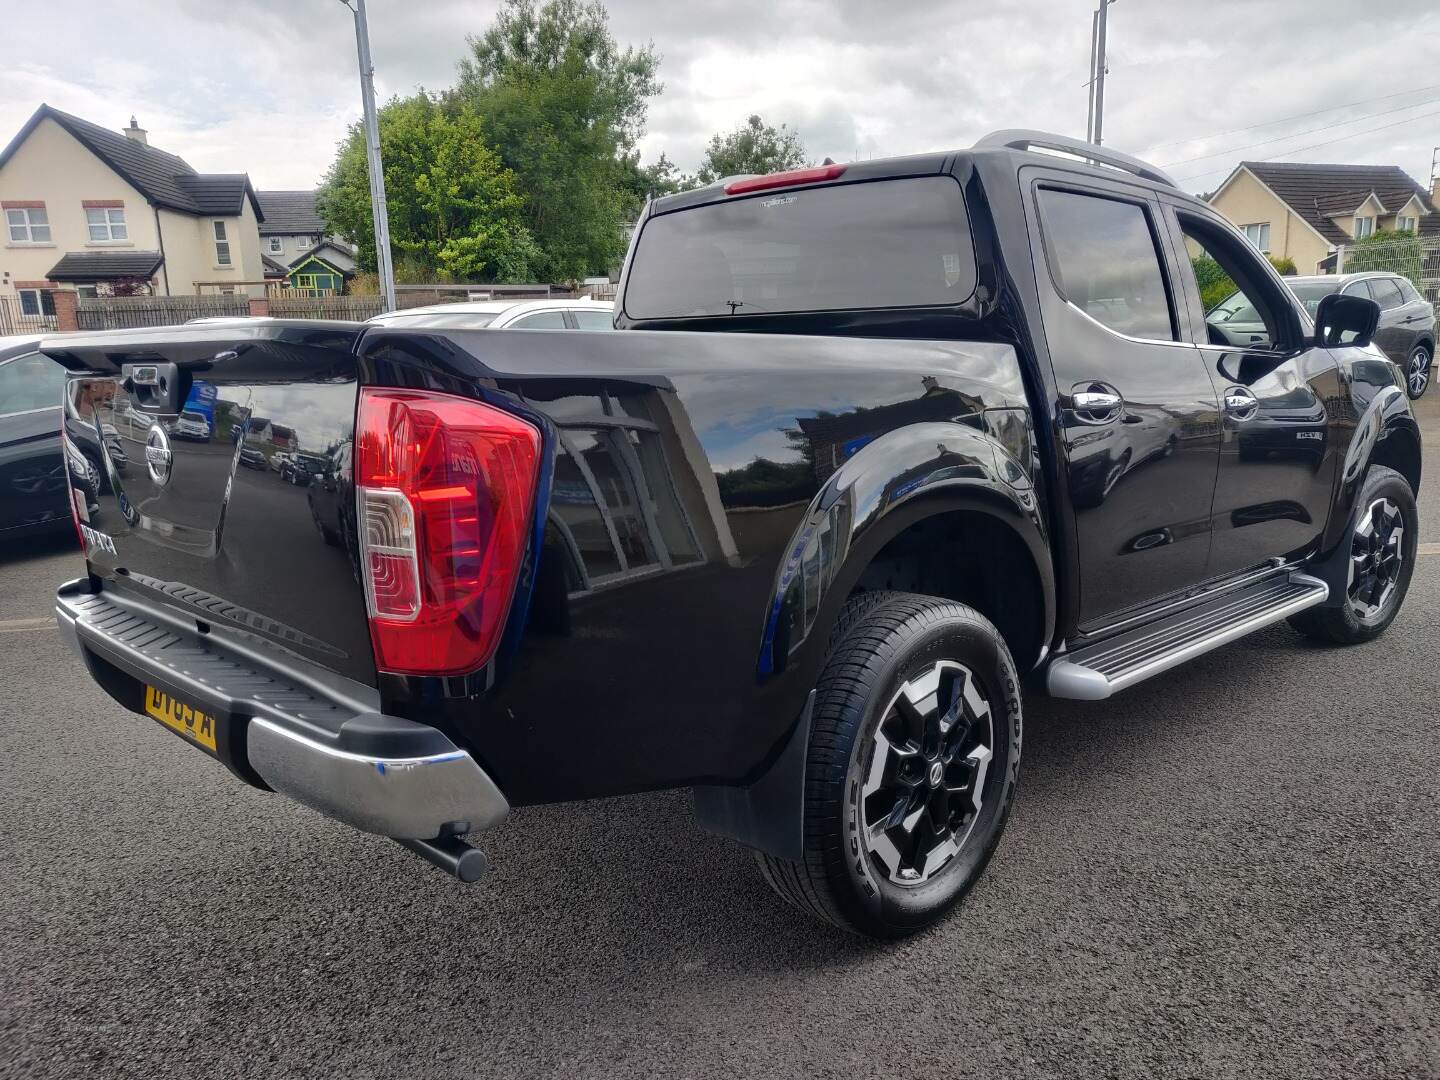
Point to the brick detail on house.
(103, 204)
(65, 305)
(23, 204)
(35, 285)
(259, 306)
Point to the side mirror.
(1338, 317)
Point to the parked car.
(192, 425)
(578, 314)
(252, 458)
(298, 468)
(1406, 332)
(33, 493)
(795, 547)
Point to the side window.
(1357, 288)
(1243, 307)
(30, 382)
(1386, 293)
(1104, 258)
(541, 320)
(593, 319)
(1407, 290)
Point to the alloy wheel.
(1419, 373)
(926, 773)
(1376, 559)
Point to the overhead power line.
(1323, 142)
(1285, 119)
(1298, 134)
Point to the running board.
(1094, 672)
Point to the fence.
(1415, 257)
(14, 319)
(119, 312)
(349, 308)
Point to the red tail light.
(445, 488)
(784, 179)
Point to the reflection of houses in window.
(631, 493)
(835, 439)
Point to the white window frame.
(1260, 237)
(110, 224)
(277, 245)
(22, 225)
(1364, 226)
(39, 295)
(1406, 223)
(304, 243)
(223, 260)
(88, 292)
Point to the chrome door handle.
(1093, 401)
(1240, 404)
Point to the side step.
(1096, 671)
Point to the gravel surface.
(1229, 871)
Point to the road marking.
(21, 626)
(1427, 549)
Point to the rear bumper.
(307, 734)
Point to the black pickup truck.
(879, 444)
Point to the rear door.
(179, 521)
(1283, 417)
(1393, 334)
(1140, 419)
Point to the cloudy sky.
(269, 87)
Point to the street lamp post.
(383, 264)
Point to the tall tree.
(753, 147)
(454, 210)
(564, 105)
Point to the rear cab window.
(876, 244)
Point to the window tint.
(593, 319)
(1407, 290)
(893, 243)
(30, 382)
(1386, 293)
(541, 320)
(1104, 254)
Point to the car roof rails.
(1026, 139)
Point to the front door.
(1140, 413)
(1283, 411)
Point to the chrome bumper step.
(1094, 672)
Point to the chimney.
(136, 132)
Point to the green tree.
(753, 147)
(564, 105)
(454, 210)
(1395, 252)
(1215, 285)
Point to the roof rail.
(1026, 139)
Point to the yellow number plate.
(197, 726)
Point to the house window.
(89, 292)
(28, 225)
(1364, 226)
(36, 301)
(106, 224)
(277, 245)
(302, 242)
(1259, 235)
(1404, 223)
(222, 245)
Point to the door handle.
(1240, 404)
(1096, 403)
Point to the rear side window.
(541, 320)
(886, 244)
(1103, 254)
(1386, 293)
(592, 319)
(1407, 290)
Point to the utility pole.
(372, 155)
(1090, 84)
(1099, 71)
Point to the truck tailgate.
(224, 453)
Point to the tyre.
(913, 756)
(1380, 552)
(1417, 371)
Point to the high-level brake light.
(445, 489)
(784, 179)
